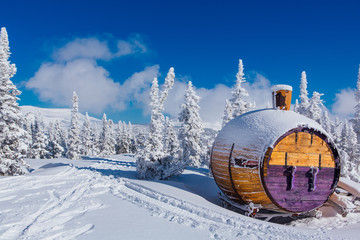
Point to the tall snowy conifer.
(106, 145)
(303, 107)
(74, 132)
(38, 148)
(315, 109)
(54, 146)
(150, 160)
(349, 153)
(356, 119)
(11, 133)
(191, 128)
(112, 137)
(87, 138)
(171, 142)
(237, 105)
(119, 135)
(326, 122)
(126, 139)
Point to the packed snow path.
(93, 198)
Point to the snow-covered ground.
(101, 198)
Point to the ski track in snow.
(70, 193)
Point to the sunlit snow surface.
(97, 198)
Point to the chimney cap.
(281, 87)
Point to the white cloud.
(93, 48)
(55, 82)
(344, 104)
(89, 48)
(136, 88)
(131, 46)
(75, 69)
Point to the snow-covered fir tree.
(315, 109)
(125, 147)
(171, 142)
(54, 148)
(191, 128)
(62, 132)
(39, 145)
(74, 142)
(112, 136)
(336, 131)
(303, 106)
(11, 132)
(132, 140)
(238, 104)
(106, 144)
(227, 112)
(87, 138)
(27, 139)
(119, 133)
(296, 106)
(140, 141)
(326, 122)
(152, 163)
(356, 118)
(350, 161)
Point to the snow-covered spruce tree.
(106, 145)
(191, 129)
(356, 118)
(119, 133)
(132, 140)
(11, 132)
(74, 132)
(152, 162)
(112, 136)
(38, 147)
(326, 122)
(237, 105)
(303, 107)
(349, 150)
(140, 141)
(62, 132)
(54, 148)
(87, 138)
(296, 106)
(27, 138)
(171, 142)
(336, 132)
(227, 113)
(125, 141)
(316, 106)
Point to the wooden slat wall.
(302, 151)
(220, 168)
(246, 181)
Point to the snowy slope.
(98, 198)
(55, 114)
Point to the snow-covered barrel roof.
(260, 129)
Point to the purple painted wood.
(300, 198)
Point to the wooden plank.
(246, 187)
(302, 149)
(218, 157)
(220, 163)
(220, 169)
(299, 159)
(242, 176)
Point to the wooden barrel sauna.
(278, 159)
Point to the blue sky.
(202, 40)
